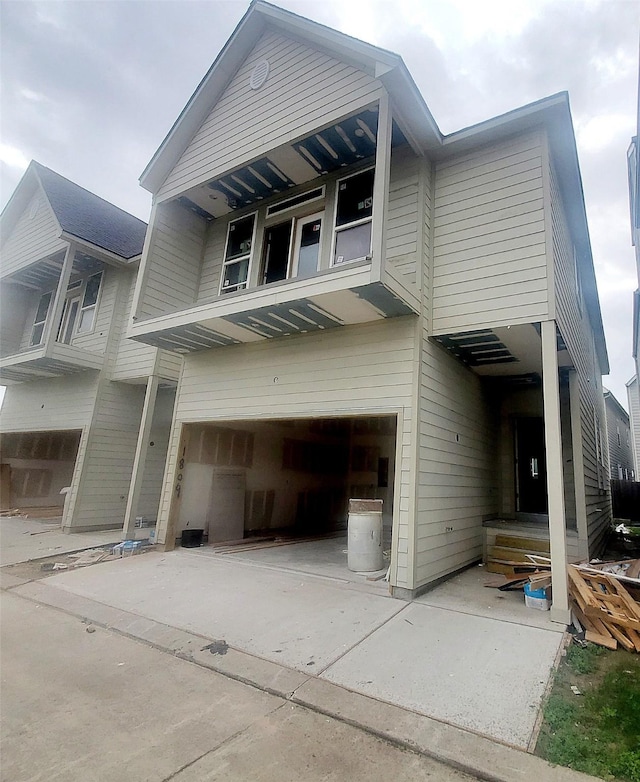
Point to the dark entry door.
(531, 466)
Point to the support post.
(381, 187)
(55, 313)
(142, 446)
(555, 474)
(578, 459)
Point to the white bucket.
(364, 542)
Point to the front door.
(531, 467)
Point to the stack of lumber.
(605, 608)
(512, 555)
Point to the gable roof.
(389, 68)
(79, 213)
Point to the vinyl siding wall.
(134, 360)
(108, 461)
(350, 370)
(14, 303)
(490, 266)
(170, 270)
(32, 238)
(305, 89)
(620, 452)
(404, 213)
(576, 330)
(633, 396)
(456, 462)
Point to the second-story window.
(292, 248)
(89, 304)
(354, 211)
(235, 269)
(40, 319)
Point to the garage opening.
(278, 482)
(36, 467)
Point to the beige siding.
(110, 448)
(43, 405)
(212, 260)
(457, 480)
(403, 213)
(168, 365)
(133, 360)
(349, 370)
(172, 263)
(33, 237)
(490, 266)
(633, 396)
(619, 438)
(156, 455)
(305, 89)
(14, 304)
(576, 331)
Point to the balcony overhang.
(337, 297)
(41, 362)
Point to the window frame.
(237, 287)
(354, 224)
(43, 321)
(89, 307)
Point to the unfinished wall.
(363, 369)
(156, 455)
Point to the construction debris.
(604, 607)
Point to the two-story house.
(86, 410)
(368, 308)
(619, 445)
(633, 386)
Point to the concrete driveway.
(461, 654)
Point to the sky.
(90, 89)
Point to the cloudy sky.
(91, 88)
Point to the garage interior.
(36, 466)
(263, 486)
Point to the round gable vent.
(259, 75)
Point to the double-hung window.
(354, 213)
(235, 269)
(40, 318)
(89, 304)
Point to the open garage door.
(36, 466)
(291, 477)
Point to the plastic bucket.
(191, 538)
(364, 539)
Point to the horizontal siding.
(14, 304)
(633, 397)
(619, 439)
(169, 365)
(403, 213)
(351, 370)
(43, 405)
(133, 360)
(578, 336)
(156, 455)
(104, 486)
(490, 266)
(172, 263)
(212, 260)
(305, 89)
(457, 480)
(32, 238)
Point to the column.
(142, 447)
(555, 475)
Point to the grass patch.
(597, 732)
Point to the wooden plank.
(530, 544)
(601, 640)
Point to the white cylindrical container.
(364, 543)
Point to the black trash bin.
(191, 538)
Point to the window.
(235, 269)
(354, 211)
(292, 248)
(68, 320)
(41, 318)
(89, 303)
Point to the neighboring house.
(85, 408)
(368, 308)
(633, 397)
(633, 388)
(621, 464)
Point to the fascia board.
(111, 258)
